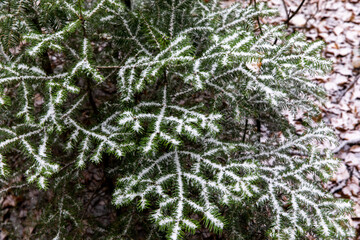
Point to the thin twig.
(296, 11)
(290, 17)
(258, 128)
(66, 166)
(13, 187)
(258, 19)
(258, 123)
(347, 89)
(344, 143)
(245, 130)
(119, 66)
(286, 10)
(108, 67)
(88, 80)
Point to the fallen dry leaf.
(355, 149)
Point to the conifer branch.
(177, 125)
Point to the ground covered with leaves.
(336, 22)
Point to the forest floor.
(337, 23)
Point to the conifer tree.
(199, 88)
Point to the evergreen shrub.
(188, 106)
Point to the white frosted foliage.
(187, 103)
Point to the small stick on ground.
(347, 89)
(344, 143)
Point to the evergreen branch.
(198, 91)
